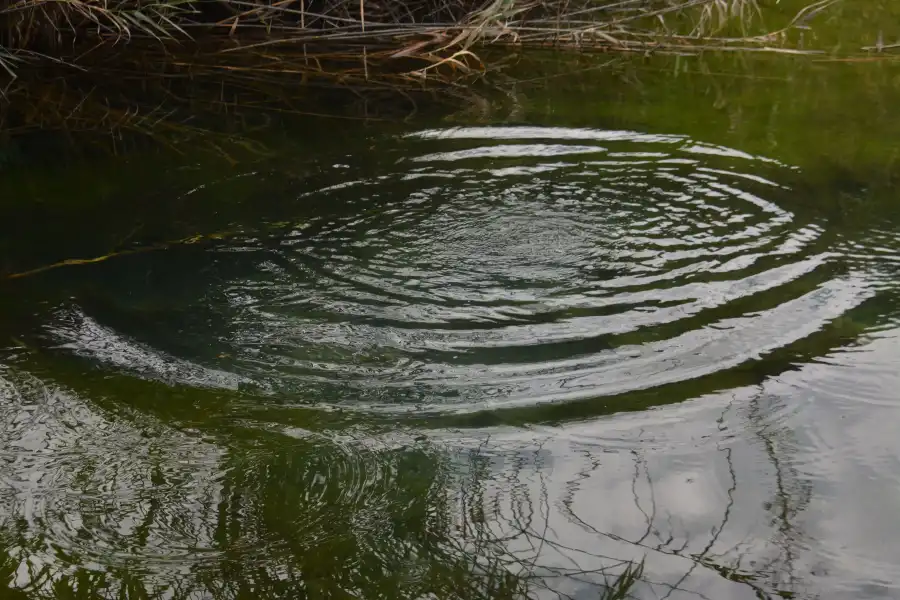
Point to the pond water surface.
(485, 357)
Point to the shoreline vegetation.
(368, 39)
(157, 68)
(403, 42)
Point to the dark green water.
(644, 313)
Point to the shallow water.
(478, 359)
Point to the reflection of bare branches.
(725, 517)
(792, 494)
(554, 562)
(637, 501)
(519, 529)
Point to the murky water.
(459, 361)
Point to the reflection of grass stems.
(212, 101)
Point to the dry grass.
(440, 32)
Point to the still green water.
(645, 312)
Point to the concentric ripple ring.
(500, 266)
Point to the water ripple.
(540, 350)
(492, 273)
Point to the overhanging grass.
(430, 34)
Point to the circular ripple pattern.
(510, 266)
